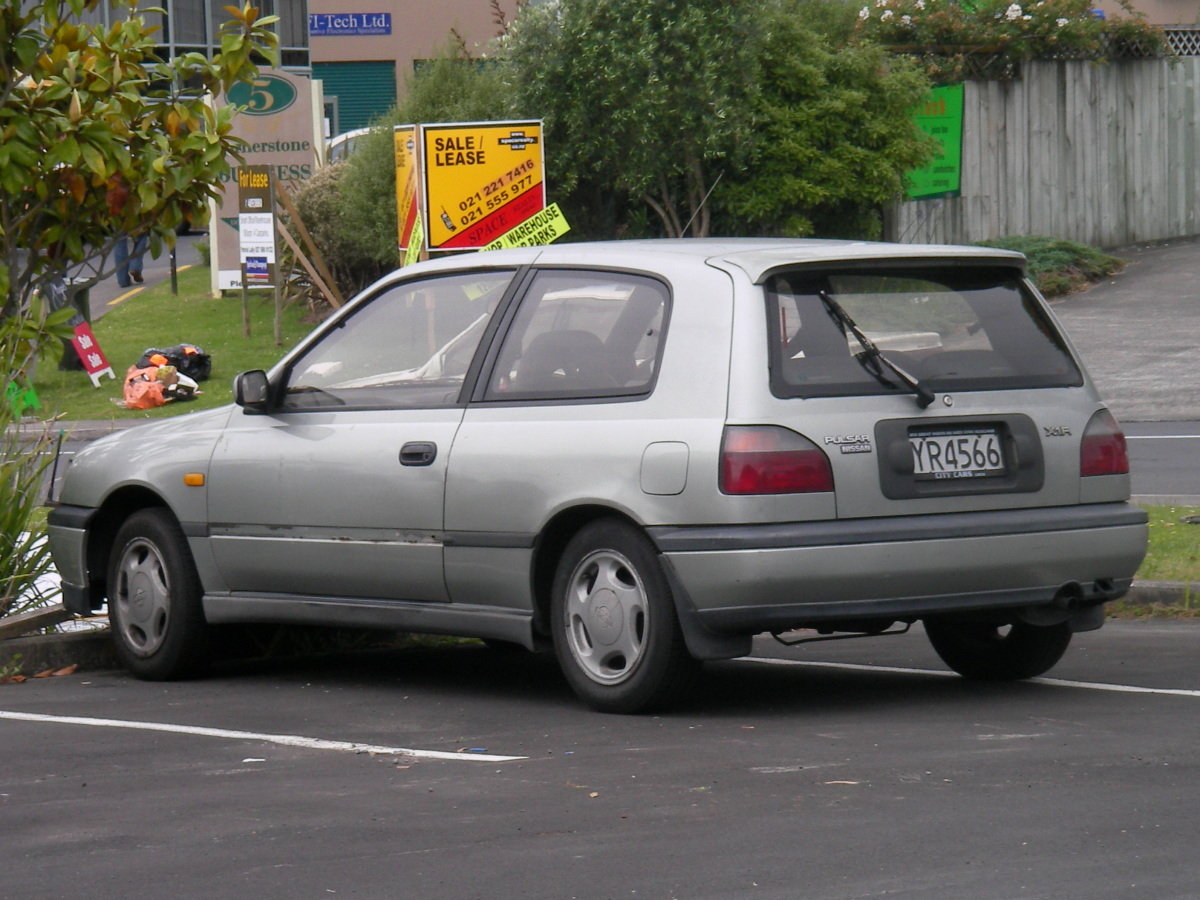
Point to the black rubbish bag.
(189, 359)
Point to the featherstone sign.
(280, 124)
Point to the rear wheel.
(615, 631)
(998, 653)
(154, 599)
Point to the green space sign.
(942, 118)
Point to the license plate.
(956, 453)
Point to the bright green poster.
(942, 118)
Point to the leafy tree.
(833, 130)
(99, 138)
(641, 98)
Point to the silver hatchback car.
(641, 454)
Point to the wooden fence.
(1108, 155)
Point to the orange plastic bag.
(143, 390)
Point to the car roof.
(757, 257)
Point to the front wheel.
(998, 653)
(615, 631)
(154, 599)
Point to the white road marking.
(1055, 682)
(286, 740)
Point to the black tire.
(987, 652)
(154, 599)
(615, 632)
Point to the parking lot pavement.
(107, 293)
(1137, 333)
(864, 771)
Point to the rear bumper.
(748, 579)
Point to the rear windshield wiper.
(873, 353)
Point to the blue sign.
(257, 270)
(339, 24)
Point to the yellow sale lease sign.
(482, 179)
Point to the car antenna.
(683, 231)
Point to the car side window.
(409, 347)
(582, 335)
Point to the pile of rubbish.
(163, 375)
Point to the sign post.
(256, 233)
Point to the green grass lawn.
(1174, 555)
(156, 318)
(1174, 546)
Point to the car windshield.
(953, 327)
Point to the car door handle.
(418, 453)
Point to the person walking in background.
(129, 263)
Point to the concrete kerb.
(82, 430)
(89, 650)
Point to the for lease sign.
(482, 179)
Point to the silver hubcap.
(606, 616)
(142, 598)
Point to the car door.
(561, 419)
(337, 490)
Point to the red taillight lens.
(1102, 450)
(770, 460)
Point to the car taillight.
(766, 459)
(1102, 450)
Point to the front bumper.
(749, 579)
(67, 531)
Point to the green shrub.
(1058, 266)
(354, 230)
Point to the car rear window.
(954, 327)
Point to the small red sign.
(90, 354)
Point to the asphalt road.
(821, 776)
(1163, 461)
(107, 293)
(1137, 333)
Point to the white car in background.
(342, 146)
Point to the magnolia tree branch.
(100, 140)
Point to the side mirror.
(252, 391)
